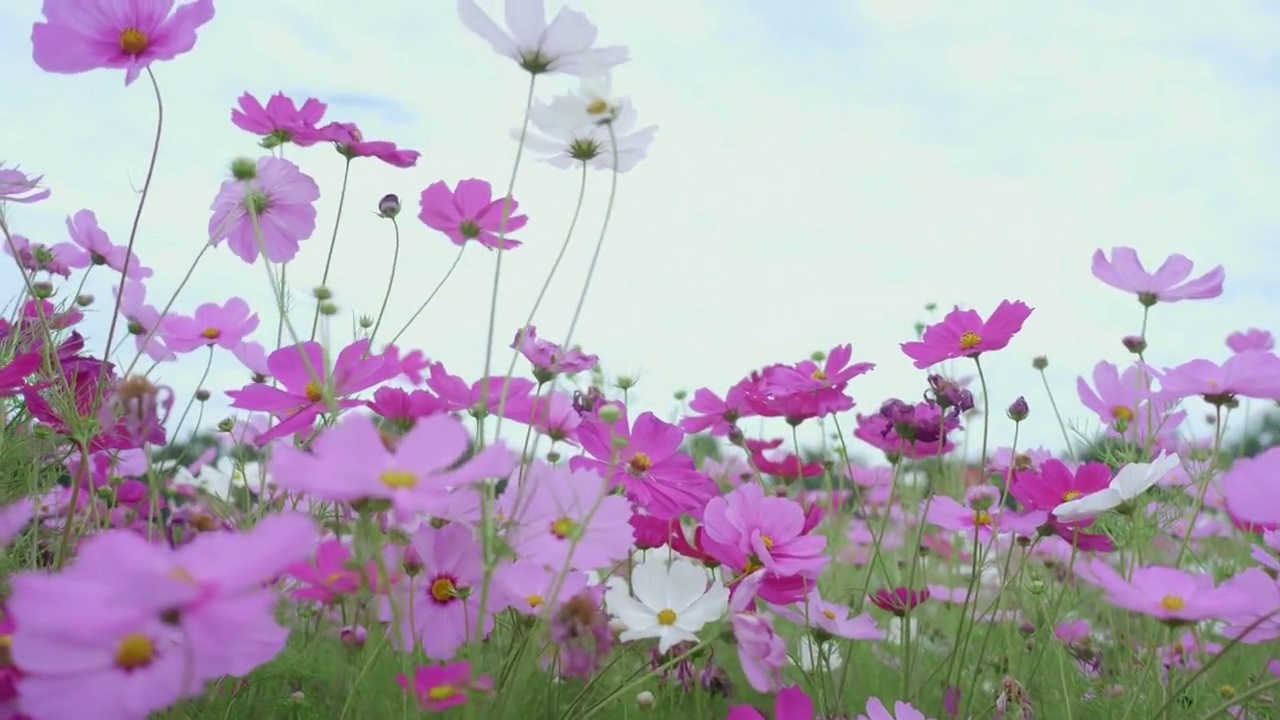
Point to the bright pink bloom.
(900, 601)
(825, 385)
(470, 212)
(1251, 339)
(351, 144)
(330, 576)
(143, 321)
(405, 406)
(440, 609)
(93, 247)
(222, 325)
(949, 514)
(753, 530)
(478, 398)
(1249, 489)
(1056, 484)
(301, 397)
(129, 34)
(1167, 594)
(280, 120)
(283, 199)
(1124, 271)
(440, 687)
(38, 257)
(551, 414)
(18, 187)
(963, 333)
(762, 652)
(548, 358)
(833, 618)
(350, 462)
(790, 703)
(646, 460)
(13, 377)
(715, 416)
(566, 518)
(1257, 619)
(1251, 374)
(1124, 404)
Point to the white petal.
(649, 584)
(708, 608)
(672, 635)
(686, 583)
(632, 614)
(1088, 506)
(1136, 478)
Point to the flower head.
(963, 333)
(18, 187)
(470, 212)
(1130, 482)
(440, 687)
(1124, 271)
(270, 214)
(564, 45)
(131, 34)
(280, 120)
(672, 602)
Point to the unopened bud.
(818, 356)
(328, 309)
(203, 395)
(680, 395)
(1135, 344)
(610, 413)
(625, 382)
(1018, 410)
(84, 300)
(366, 322)
(1039, 362)
(553, 456)
(244, 169)
(42, 290)
(389, 206)
(644, 700)
(322, 293)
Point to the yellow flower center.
(135, 651)
(753, 564)
(767, 542)
(1172, 603)
(443, 590)
(818, 374)
(970, 340)
(666, 617)
(534, 600)
(313, 392)
(830, 614)
(564, 528)
(1120, 412)
(210, 333)
(982, 518)
(1070, 495)
(133, 41)
(640, 463)
(597, 107)
(398, 479)
(182, 575)
(442, 692)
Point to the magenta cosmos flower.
(282, 198)
(564, 518)
(789, 704)
(564, 45)
(351, 144)
(440, 610)
(83, 35)
(1252, 374)
(963, 333)
(470, 212)
(764, 531)
(1170, 595)
(93, 247)
(440, 687)
(645, 459)
(548, 358)
(223, 325)
(19, 187)
(280, 120)
(1251, 339)
(1124, 271)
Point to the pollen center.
(767, 542)
(982, 518)
(535, 600)
(970, 340)
(133, 41)
(564, 528)
(135, 651)
(640, 463)
(210, 333)
(398, 479)
(597, 107)
(830, 614)
(666, 617)
(1172, 603)
(1120, 412)
(442, 692)
(1070, 495)
(818, 374)
(443, 590)
(313, 392)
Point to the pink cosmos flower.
(13, 376)
(330, 576)
(822, 389)
(481, 397)
(1249, 490)
(645, 459)
(1124, 404)
(301, 399)
(832, 618)
(1257, 619)
(876, 710)
(351, 144)
(762, 651)
(405, 406)
(751, 530)
(440, 607)
(716, 416)
(565, 45)
(280, 120)
(982, 519)
(129, 34)
(38, 257)
(1251, 339)
(93, 247)
(18, 187)
(222, 325)
(790, 703)
(565, 518)
(900, 601)
(526, 586)
(963, 333)
(548, 358)
(350, 462)
(1053, 484)
(282, 198)
(440, 687)
(1124, 271)
(470, 212)
(1170, 595)
(551, 414)
(1251, 374)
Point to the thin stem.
(430, 297)
(391, 281)
(333, 242)
(986, 412)
(1066, 437)
(604, 229)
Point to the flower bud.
(1135, 344)
(244, 169)
(610, 413)
(203, 395)
(1018, 410)
(389, 206)
(322, 293)
(1040, 362)
(644, 700)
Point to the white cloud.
(810, 185)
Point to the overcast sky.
(818, 177)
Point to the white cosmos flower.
(564, 132)
(565, 45)
(672, 602)
(1132, 480)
